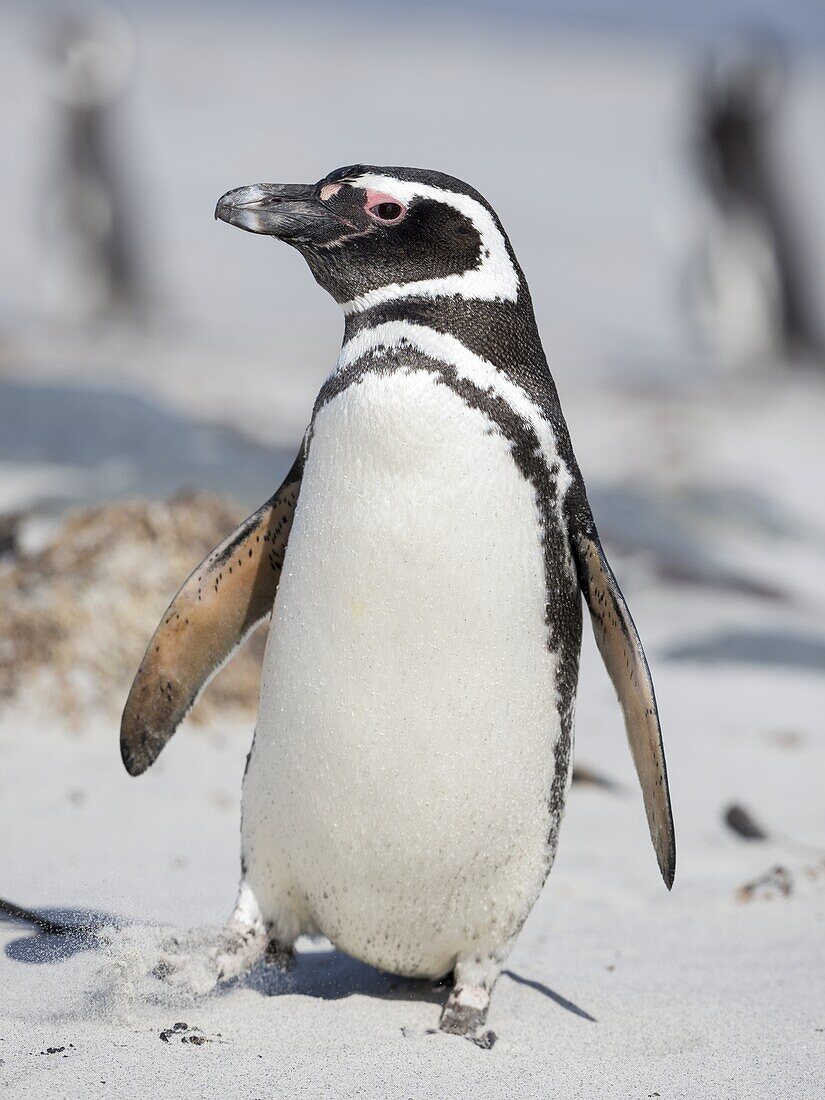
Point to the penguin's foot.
(474, 976)
(465, 1014)
(197, 967)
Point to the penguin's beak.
(292, 211)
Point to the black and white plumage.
(425, 558)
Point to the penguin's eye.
(386, 211)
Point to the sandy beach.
(707, 487)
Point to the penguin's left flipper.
(622, 653)
(218, 607)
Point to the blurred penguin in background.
(94, 273)
(747, 290)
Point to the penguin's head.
(372, 235)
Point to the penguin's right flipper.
(224, 599)
(621, 650)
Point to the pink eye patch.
(383, 207)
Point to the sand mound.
(78, 615)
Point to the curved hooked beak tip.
(277, 209)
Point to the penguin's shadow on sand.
(330, 975)
(324, 973)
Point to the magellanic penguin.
(750, 287)
(424, 562)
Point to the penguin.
(87, 202)
(749, 286)
(423, 564)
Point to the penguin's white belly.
(397, 795)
